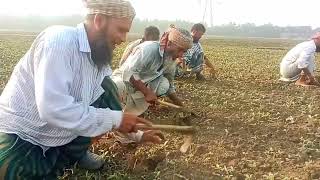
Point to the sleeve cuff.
(302, 65)
(100, 121)
(109, 119)
(136, 77)
(136, 136)
(116, 119)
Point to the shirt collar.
(161, 50)
(163, 55)
(83, 38)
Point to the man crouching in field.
(151, 33)
(149, 71)
(298, 65)
(50, 109)
(194, 58)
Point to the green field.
(250, 125)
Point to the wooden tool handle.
(166, 127)
(169, 104)
(180, 108)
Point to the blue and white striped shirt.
(47, 99)
(194, 51)
(194, 57)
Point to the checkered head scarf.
(113, 8)
(316, 35)
(180, 37)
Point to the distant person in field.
(151, 33)
(149, 71)
(298, 65)
(55, 102)
(194, 58)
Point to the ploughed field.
(249, 125)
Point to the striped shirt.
(47, 99)
(193, 52)
(194, 58)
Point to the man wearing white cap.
(51, 107)
(298, 65)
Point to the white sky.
(278, 12)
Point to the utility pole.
(207, 16)
(211, 13)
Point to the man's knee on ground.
(163, 87)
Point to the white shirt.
(47, 99)
(303, 54)
(145, 63)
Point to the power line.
(207, 12)
(211, 13)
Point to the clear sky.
(278, 12)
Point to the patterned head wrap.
(113, 8)
(180, 37)
(316, 35)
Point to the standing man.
(46, 117)
(151, 33)
(298, 65)
(149, 71)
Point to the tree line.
(35, 23)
